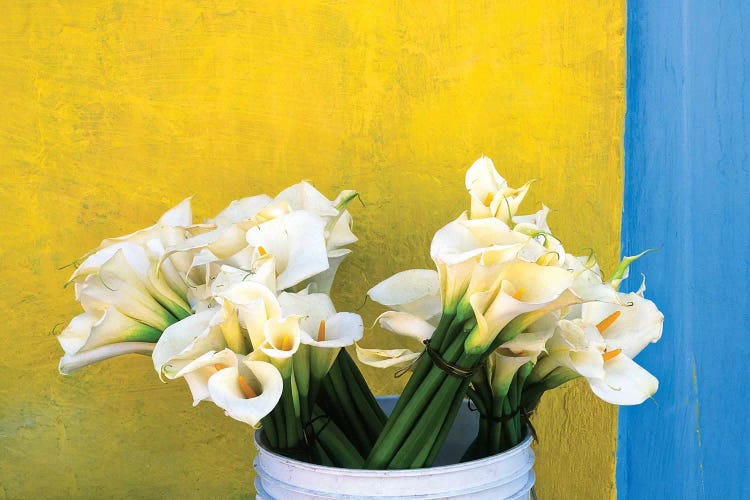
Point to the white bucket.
(507, 475)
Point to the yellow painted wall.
(113, 111)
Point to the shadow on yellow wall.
(112, 113)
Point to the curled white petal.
(386, 358)
(407, 325)
(225, 392)
(72, 362)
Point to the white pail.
(507, 475)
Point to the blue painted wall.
(687, 186)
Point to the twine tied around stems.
(448, 368)
(308, 431)
(525, 416)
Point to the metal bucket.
(507, 475)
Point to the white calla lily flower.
(282, 340)
(625, 382)
(297, 241)
(246, 392)
(186, 340)
(415, 291)
(597, 351)
(502, 368)
(90, 330)
(118, 284)
(638, 322)
(244, 209)
(255, 305)
(323, 281)
(406, 325)
(72, 362)
(490, 194)
(521, 287)
(386, 358)
(461, 245)
(198, 372)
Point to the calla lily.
(255, 305)
(407, 325)
(119, 285)
(241, 210)
(459, 246)
(187, 340)
(490, 194)
(416, 292)
(282, 340)
(198, 372)
(226, 234)
(95, 329)
(597, 351)
(262, 271)
(304, 196)
(72, 362)
(323, 281)
(210, 331)
(625, 383)
(637, 324)
(521, 287)
(386, 358)
(338, 331)
(169, 230)
(297, 241)
(247, 392)
(323, 333)
(501, 370)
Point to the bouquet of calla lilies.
(239, 307)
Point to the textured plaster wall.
(114, 111)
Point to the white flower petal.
(197, 372)
(303, 196)
(114, 327)
(72, 362)
(225, 391)
(185, 341)
(637, 325)
(118, 284)
(74, 336)
(282, 337)
(503, 369)
(626, 382)
(298, 243)
(311, 307)
(415, 291)
(241, 210)
(407, 325)
(386, 358)
(255, 305)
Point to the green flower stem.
(411, 406)
(424, 433)
(508, 429)
(422, 368)
(443, 434)
(513, 400)
(334, 442)
(292, 427)
(353, 421)
(320, 456)
(269, 430)
(277, 417)
(357, 385)
(363, 404)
